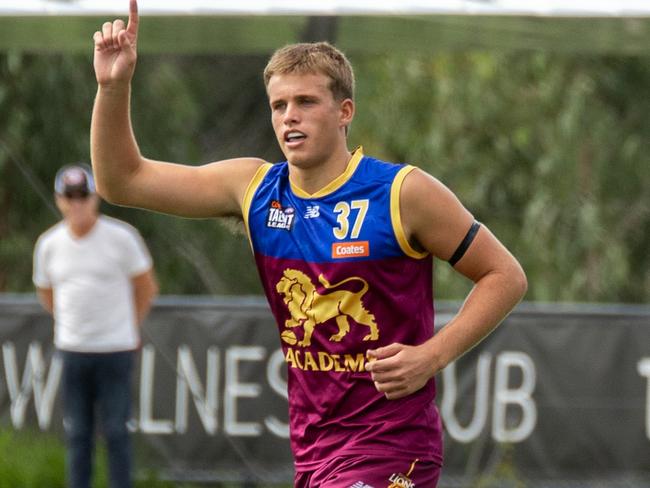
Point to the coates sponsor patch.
(280, 218)
(350, 249)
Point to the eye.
(278, 106)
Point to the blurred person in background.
(94, 274)
(344, 245)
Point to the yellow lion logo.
(309, 308)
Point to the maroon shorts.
(365, 471)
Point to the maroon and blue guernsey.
(341, 278)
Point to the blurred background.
(539, 120)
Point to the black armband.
(467, 240)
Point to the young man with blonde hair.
(344, 246)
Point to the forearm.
(47, 302)
(145, 289)
(142, 309)
(492, 298)
(114, 151)
(46, 297)
(143, 303)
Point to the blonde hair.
(314, 58)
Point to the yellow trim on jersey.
(411, 468)
(248, 195)
(336, 183)
(396, 217)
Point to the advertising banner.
(556, 391)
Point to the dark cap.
(74, 178)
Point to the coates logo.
(280, 218)
(350, 249)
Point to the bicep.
(486, 254)
(434, 219)
(211, 190)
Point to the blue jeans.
(97, 383)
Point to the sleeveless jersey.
(341, 278)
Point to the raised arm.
(123, 175)
(436, 221)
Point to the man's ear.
(347, 112)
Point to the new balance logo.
(312, 212)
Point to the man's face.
(307, 120)
(77, 207)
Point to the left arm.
(435, 220)
(145, 289)
(46, 297)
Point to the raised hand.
(115, 49)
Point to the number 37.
(343, 210)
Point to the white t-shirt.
(94, 309)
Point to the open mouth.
(294, 137)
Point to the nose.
(291, 115)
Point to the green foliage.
(41, 124)
(548, 150)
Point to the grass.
(25, 466)
(32, 459)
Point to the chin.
(295, 159)
(302, 162)
(303, 159)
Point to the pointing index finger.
(132, 27)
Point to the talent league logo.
(280, 218)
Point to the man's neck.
(314, 178)
(80, 229)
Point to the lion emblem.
(309, 308)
